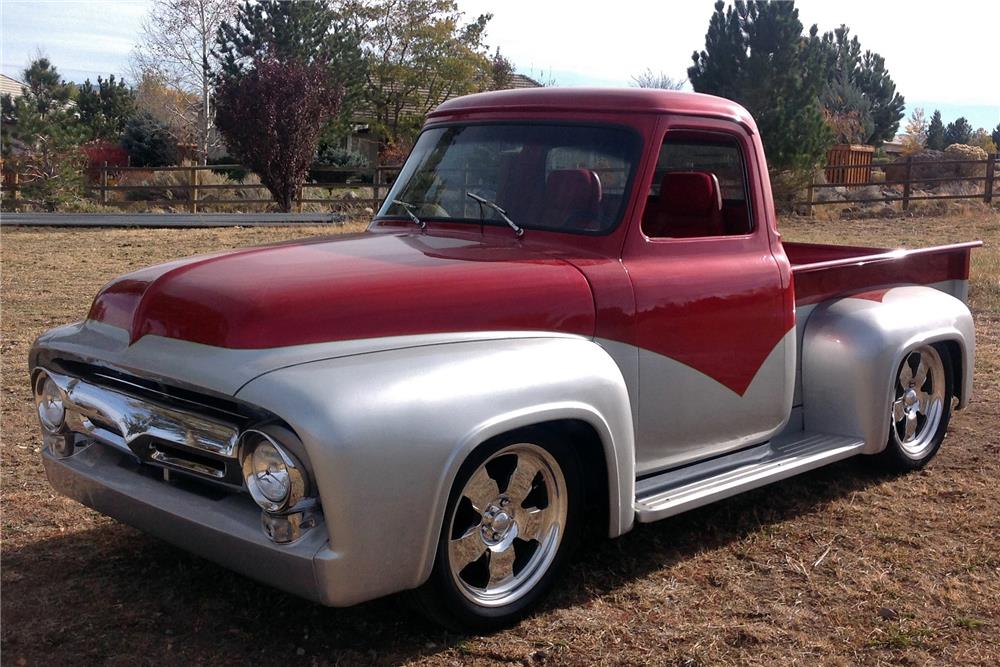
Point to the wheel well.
(954, 352)
(586, 444)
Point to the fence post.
(991, 166)
(906, 183)
(15, 183)
(376, 187)
(809, 202)
(104, 183)
(193, 188)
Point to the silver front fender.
(852, 348)
(386, 433)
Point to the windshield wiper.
(518, 231)
(408, 207)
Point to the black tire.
(442, 601)
(896, 457)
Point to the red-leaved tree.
(271, 117)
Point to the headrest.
(690, 193)
(578, 189)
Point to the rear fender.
(852, 348)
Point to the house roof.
(10, 86)
(522, 81)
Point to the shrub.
(51, 172)
(271, 117)
(149, 143)
(238, 174)
(167, 189)
(334, 156)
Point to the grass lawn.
(840, 566)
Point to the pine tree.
(149, 143)
(755, 54)
(957, 132)
(104, 109)
(44, 127)
(935, 133)
(996, 135)
(45, 87)
(868, 73)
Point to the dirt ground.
(841, 566)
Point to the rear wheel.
(508, 527)
(920, 408)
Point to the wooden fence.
(111, 179)
(898, 177)
(904, 176)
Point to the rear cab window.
(699, 188)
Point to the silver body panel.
(225, 530)
(686, 415)
(852, 348)
(386, 433)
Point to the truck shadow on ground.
(112, 595)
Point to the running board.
(677, 491)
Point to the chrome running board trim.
(680, 490)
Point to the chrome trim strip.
(88, 403)
(199, 468)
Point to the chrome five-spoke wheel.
(513, 514)
(506, 527)
(921, 406)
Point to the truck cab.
(574, 307)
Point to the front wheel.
(509, 524)
(920, 408)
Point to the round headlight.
(51, 410)
(272, 475)
(269, 472)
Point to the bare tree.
(176, 47)
(651, 79)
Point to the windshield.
(566, 178)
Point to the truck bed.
(822, 271)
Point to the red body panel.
(716, 304)
(827, 271)
(364, 286)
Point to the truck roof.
(615, 100)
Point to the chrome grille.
(154, 433)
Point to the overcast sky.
(945, 60)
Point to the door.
(716, 347)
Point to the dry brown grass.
(841, 566)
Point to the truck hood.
(367, 285)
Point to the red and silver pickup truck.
(574, 308)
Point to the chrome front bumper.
(226, 529)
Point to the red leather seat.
(689, 205)
(572, 199)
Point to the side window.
(699, 188)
